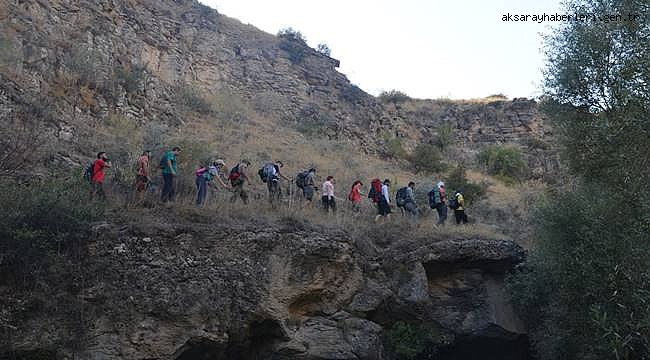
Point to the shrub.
(324, 49)
(294, 44)
(313, 123)
(393, 96)
(457, 180)
(409, 341)
(426, 158)
(395, 148)
(504, 161)
(130, 77)
(444, 137)
(41, 218)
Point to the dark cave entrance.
(487, 348)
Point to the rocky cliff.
(159, 289)
(154, 60)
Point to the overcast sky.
(425, 48)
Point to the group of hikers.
(271, 174)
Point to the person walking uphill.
(168, 164)
(410, 206)
(355, 196)
(384, 202)
(328, 195)
(457, 203)
(143, 176)
(437, 198)
(305, 181)
(204, 177)
(238, 176)
(98, 175)
(271, 175)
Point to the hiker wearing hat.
(437, 199)
(204, 178)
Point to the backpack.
(453, 202)
(234, 173)
(163, 162)
(267, 172)
(375, 191)
(200, 171)
(434, 197)
(89, 172)
(400, 197)
(301, 179)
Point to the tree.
(324, 49)
(586, 285)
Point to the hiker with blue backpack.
(437, 198)
(405, 200)
(204, 178)
(271, 175)
(168, 164)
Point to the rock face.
(93, 59)
(174, 291)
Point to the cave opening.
(487, 348)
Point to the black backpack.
(301, 179)
(453, 202)
(400, 197)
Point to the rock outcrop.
(179, 291)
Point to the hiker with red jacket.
(355, 196)
(238, 176)
(99, 174)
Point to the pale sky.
(426, 48)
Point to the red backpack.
(375, 190)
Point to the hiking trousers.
(98, 190)
(442, 213)
(238, 192)
(202, 190)
(460, 216)
(274, 190)
(329, 203)
(411, 209)
(168, 191)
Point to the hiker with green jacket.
(169, 171)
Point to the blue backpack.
(434, 198)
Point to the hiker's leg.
(459, 216)
(201, 190)
(464, 217)
(164, 194)
(243, 194)
(333, 204)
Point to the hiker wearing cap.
(384, 202)
(169, 171)
(437, 199)
(204, 178)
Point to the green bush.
(294, 44)
(393, 96)
(504, 161)
(312, 122)
(395, 148)
(457, 180)
(42, 218)
(444, 136)
(426, 158)
(409, 341)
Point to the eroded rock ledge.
(174, 291)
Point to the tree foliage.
(506, 162)
(587, 284)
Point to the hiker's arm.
(169, 165)
(284, 177)
(222, 183)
